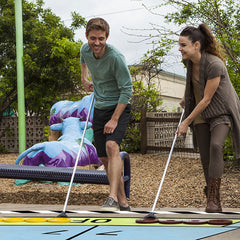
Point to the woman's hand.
(182, 128)
(182, 102)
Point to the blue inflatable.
(68, 117)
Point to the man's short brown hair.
(97, 24)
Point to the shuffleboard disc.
(36, 220)
(170, 221)
(59, 220)
(195, 221)
(14, 220)
(148, 220)
(220, 222)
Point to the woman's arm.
(210, 89)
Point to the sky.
(126, 19)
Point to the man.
(112, 86)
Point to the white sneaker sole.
(109, 209)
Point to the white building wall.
(171, 88)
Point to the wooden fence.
(158, 131)
(9, 132)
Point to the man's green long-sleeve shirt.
(110, 75)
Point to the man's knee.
(112, 147)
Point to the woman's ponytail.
(211, 45)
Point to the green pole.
(20, 76)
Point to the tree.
(51, 58)
(222, 16)
(143, 98)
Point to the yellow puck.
(14, 220)
(36, 220)
(59, 220)
(1, 219)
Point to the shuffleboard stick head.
(150, 218)
(62, 215)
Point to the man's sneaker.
(110, 205)
(124, 208)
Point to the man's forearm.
(84, 75)
(84, 72)
(118, 111)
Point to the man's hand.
(88, 86)
(110, 126)
(113, 122)
(84, 76)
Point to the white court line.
(88, 212)
(120, 212)
(9, 212)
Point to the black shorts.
(100, 118)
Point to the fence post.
(143, 132)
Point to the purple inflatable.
(68, 117)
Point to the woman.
(211, 104)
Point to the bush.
(131, 143)
(2, 149)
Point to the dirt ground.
(182, 187)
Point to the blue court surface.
(107, 228)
